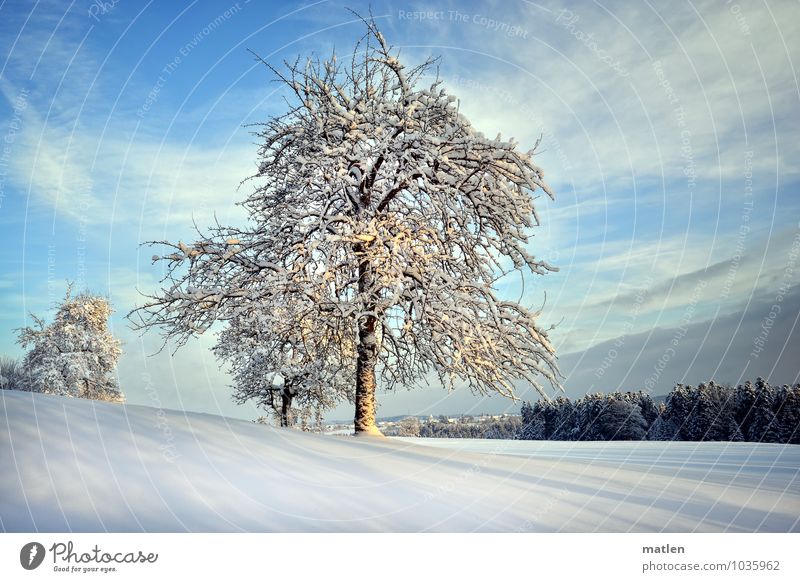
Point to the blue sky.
(669, 136)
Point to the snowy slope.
(78, 465)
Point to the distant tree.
(713, 415)
(734, 432)
(526, 412)
(787, 414)
(533, 423)
(382, 211)
(548, 410)
(646, 405)
(622, 420)
(506, 427)
(679, 408)
(663, 429)
(745, 400)
(589, 411)
(564, 420)
(76, 354)
(763, 426)
(696, 422)
(11, 377)
(503, 428)
(409, 427)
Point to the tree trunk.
(364, 421)
(287, 395)
(286, 403)
(365, 377)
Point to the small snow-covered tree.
(787, 414)
(76, 354)
(646, 405)
(533, 422)
(663, 429)
(734, 432)
(622, 420)
(712, 413)
(390, 219)
(679, 408)
(745, 399)
(763, 426)
(589, 411)
(11, 374)
(409, 427)
(282, 358)
(564, 424)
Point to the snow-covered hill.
(78, 465)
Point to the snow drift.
(80, 465)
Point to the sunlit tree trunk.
(365, 377)
(364, 421)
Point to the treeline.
(465, 427)
(753, 412)
(507, 427)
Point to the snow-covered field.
(79, 465)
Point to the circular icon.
(31, 555)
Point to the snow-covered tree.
(762, 426)
(11, 377)
(734, 432)
(533, 422)
(564, 422)
(409, 427)
(745, 399)
(679, 406)
(622, 420)
(646, 405)
(787, 414)
(712, 417)
(280, 360)
(76, 354)
(589, 410)
(663, 429)
(390, 219)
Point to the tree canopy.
(76, 354)
(380, 222)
